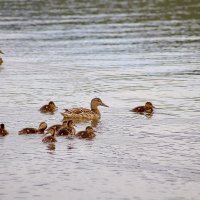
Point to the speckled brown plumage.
(84, 113)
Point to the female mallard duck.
(50, 108)
(147, 108)
(87, 134)
(58, 126)
(67, 130)
(50, 138)
(3, 131)
(1, 60)
(84, 113)
(39, 130)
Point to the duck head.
(97, 102)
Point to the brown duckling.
(50, 138)
(87, 134)
(50, 108)
(67, 130)
(147, 108)
(1, 60)
(39, 130)
(3, 131)
(58, 126)
(84, 113)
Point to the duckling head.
(89, 129)
(97, 102)
(2, 126)
(70, 124)
(42, 126)
(149, 105)
(52, 104)
(52, 131)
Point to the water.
(125, 52)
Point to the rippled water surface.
(126, 52)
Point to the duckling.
(1, 60)
(87, 134)
(50, 138)
(58, 126)
(67, 130)
(50, 108)
(3, 131)
(40, 130)
(84, 113)
(147, 108)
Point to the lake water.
(126, 52)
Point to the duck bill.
(103, 104)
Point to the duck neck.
(95, 109)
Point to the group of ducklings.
(71, 115)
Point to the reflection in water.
(51, 147)
(126, 52)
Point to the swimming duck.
(67, 130)
(58, 126)
(50, 108)
(1, 60)
(147, 108)
(50, 138)
(39, 130)
(3, 131)
(87, 134)
(84, 113)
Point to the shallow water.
(125, 52)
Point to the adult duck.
(147, 108)
(3, 131)
(39, 130)
(84, 113)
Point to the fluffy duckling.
(39, 130)
(84, 113)
(50, 108)
(1, 60)
(67, 130)
(147, 108)
(50, 138)
(3, 131)
(58, 126)
(87, 134)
